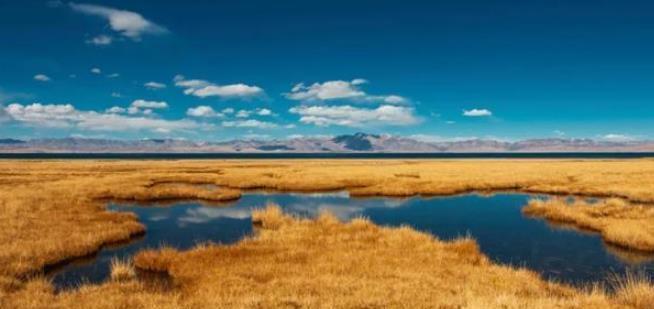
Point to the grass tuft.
(122, 270)
(635, 290)
(270, 218)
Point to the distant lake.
(356, 155)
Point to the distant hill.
(358, 142)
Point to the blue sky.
(213, 70)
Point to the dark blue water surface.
(496, 222)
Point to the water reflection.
(559, 252)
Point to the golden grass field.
(52, 211)
(620, 223)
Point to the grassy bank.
(619, 222)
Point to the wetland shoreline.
(67, 218)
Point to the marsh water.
(504, 234)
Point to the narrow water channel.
(495, 221)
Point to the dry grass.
(52, 211)
(326, 263)
(635, 290)
(620, 223)
(122, 270)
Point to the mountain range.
(358, 142)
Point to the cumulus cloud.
(114, 75)
(264, 112)
(394, 99)
(439, 139)
(249, 123)
(614, 137)
(41, 78)
(139, 107)
(203, 111)
(67, 116)
(129, 24)
(100, 40)
(96, 71)
(116, 110)
(146, 107)
(336, 89)
(340, 90)
(149, 104)
(247, 113)
(243, 114)
(350, 116)
(359, 81)
(154, 85)
(477, 113)
(202, 88)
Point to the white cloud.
(336, 89)
(144, 107)
(116, 95)
(129, 24)
(154, 85)
(41, 78)
(243, 114)
(114, 75)
(264, 112)
(141, 104)
(116, 110)
(96, 71)
(356, 117)
(67, 116)
(477, 113)
(202, 88)
(236, 90)
(56, 115)
(250, 123)
(228, 110)
(394, 99)
(359, 81)
(614, 137)
(100, 40)
(340, 90)
(439, 139)
(202, 111)
(247, 113)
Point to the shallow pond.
(495, 221)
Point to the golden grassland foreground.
(51, 211)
